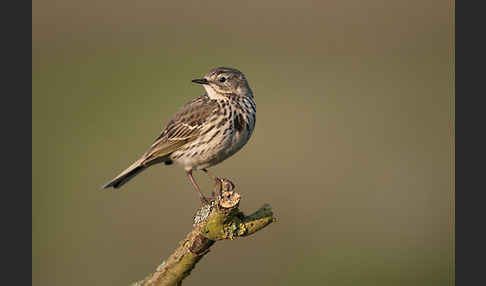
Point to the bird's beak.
(200, 81)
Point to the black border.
(468, 78)
(16, 118)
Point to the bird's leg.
(204, 200)
(218, 186)
(211, 175)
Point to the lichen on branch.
(221, 219)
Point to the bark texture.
(221, 219)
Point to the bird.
(205, 131)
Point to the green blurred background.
(353, 146)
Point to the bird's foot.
(205, 201)
(217, 190)
(222, 185)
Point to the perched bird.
(205, 131)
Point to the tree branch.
(221, 219)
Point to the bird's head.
(223, 81)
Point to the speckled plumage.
(205, 131)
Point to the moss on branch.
(221, 219)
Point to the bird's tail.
(136, 168)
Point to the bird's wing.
(184, 127)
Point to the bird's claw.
(205, 201)
(218, 187)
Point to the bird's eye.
(222, 79)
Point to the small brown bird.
(206, 131)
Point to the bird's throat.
(213, 94)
